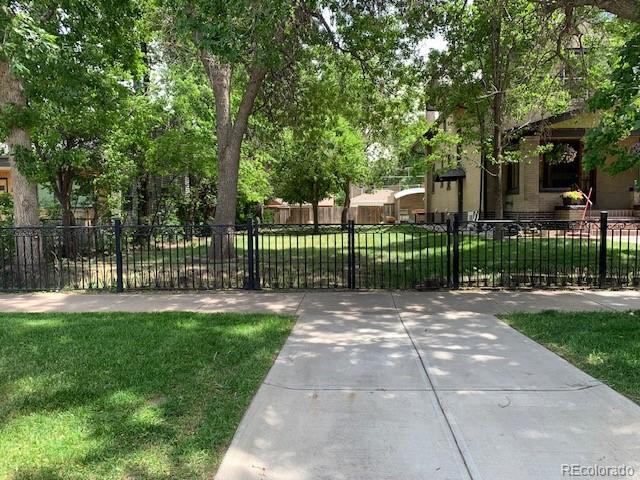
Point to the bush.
(6, 210)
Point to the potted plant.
(572, 198)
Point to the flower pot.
(571, 201)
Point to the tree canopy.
(195, 111)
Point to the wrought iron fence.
(451, 254)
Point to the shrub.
(6, 209)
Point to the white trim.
(408, 191)
(368, 203)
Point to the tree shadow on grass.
(149, 395)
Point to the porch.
(559, 214)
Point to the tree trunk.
(316, 224)
(344, 217)
(497, 155)
(25, 193)
(223, 229)
(497, 111)
(70, 234)
(144, 200)
(482, 207)
(227, 191)
(63, 189)
(229, 135)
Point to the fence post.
(250, 285)
(449, 234)
(118, 232)
(256, 256)
(602, 264)
(351, 255)
(456, 251)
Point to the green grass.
(127, 396)
(606, 345)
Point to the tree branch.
(626, 9)
(336, 43)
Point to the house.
(5, 175)
(84, 215)
(533, 187)
(390, 204)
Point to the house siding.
(409, 203)
(615, 192)
(443, 199)
(612, 191)
(5, 173)
(529, 197)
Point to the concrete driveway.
(430, 386)
(409, 385)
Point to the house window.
(448, 185)
(4, 185)
(513, 177)
(560, 167)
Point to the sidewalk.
(477, 301)
(233, 302)
(409, 385)
(429, 386)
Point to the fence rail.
(452, 254)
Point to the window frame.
(543, 166)
(511, 189)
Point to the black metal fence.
(451, 254)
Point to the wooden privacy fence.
(301, 215)
(327, 215)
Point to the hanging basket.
(562, 154)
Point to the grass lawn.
(127, 396)
(606, 345)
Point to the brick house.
(534, 186)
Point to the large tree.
(618, 100)
(244, 43)
(37, 38)
(238, 43)
(72, 117)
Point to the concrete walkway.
(409, 385)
